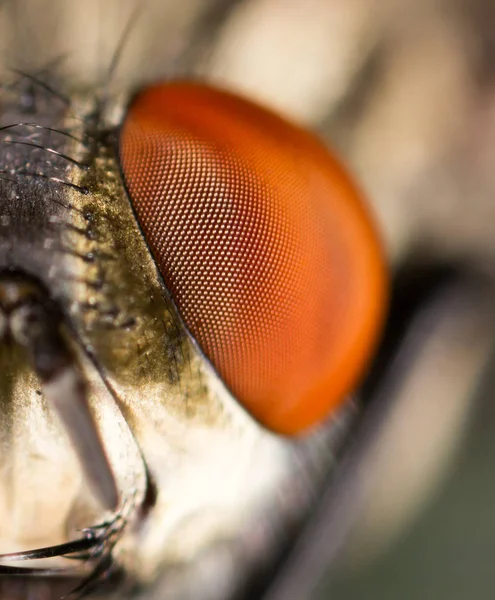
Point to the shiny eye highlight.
(264, 244)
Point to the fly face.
(44, 276)
(178, 318)
(115, 419)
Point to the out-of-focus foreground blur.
(405, 90)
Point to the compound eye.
(264, 244)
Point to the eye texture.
(264, 244)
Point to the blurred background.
(405, 92)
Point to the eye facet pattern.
(264, 244)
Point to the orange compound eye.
(264, 244)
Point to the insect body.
(90, 329)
